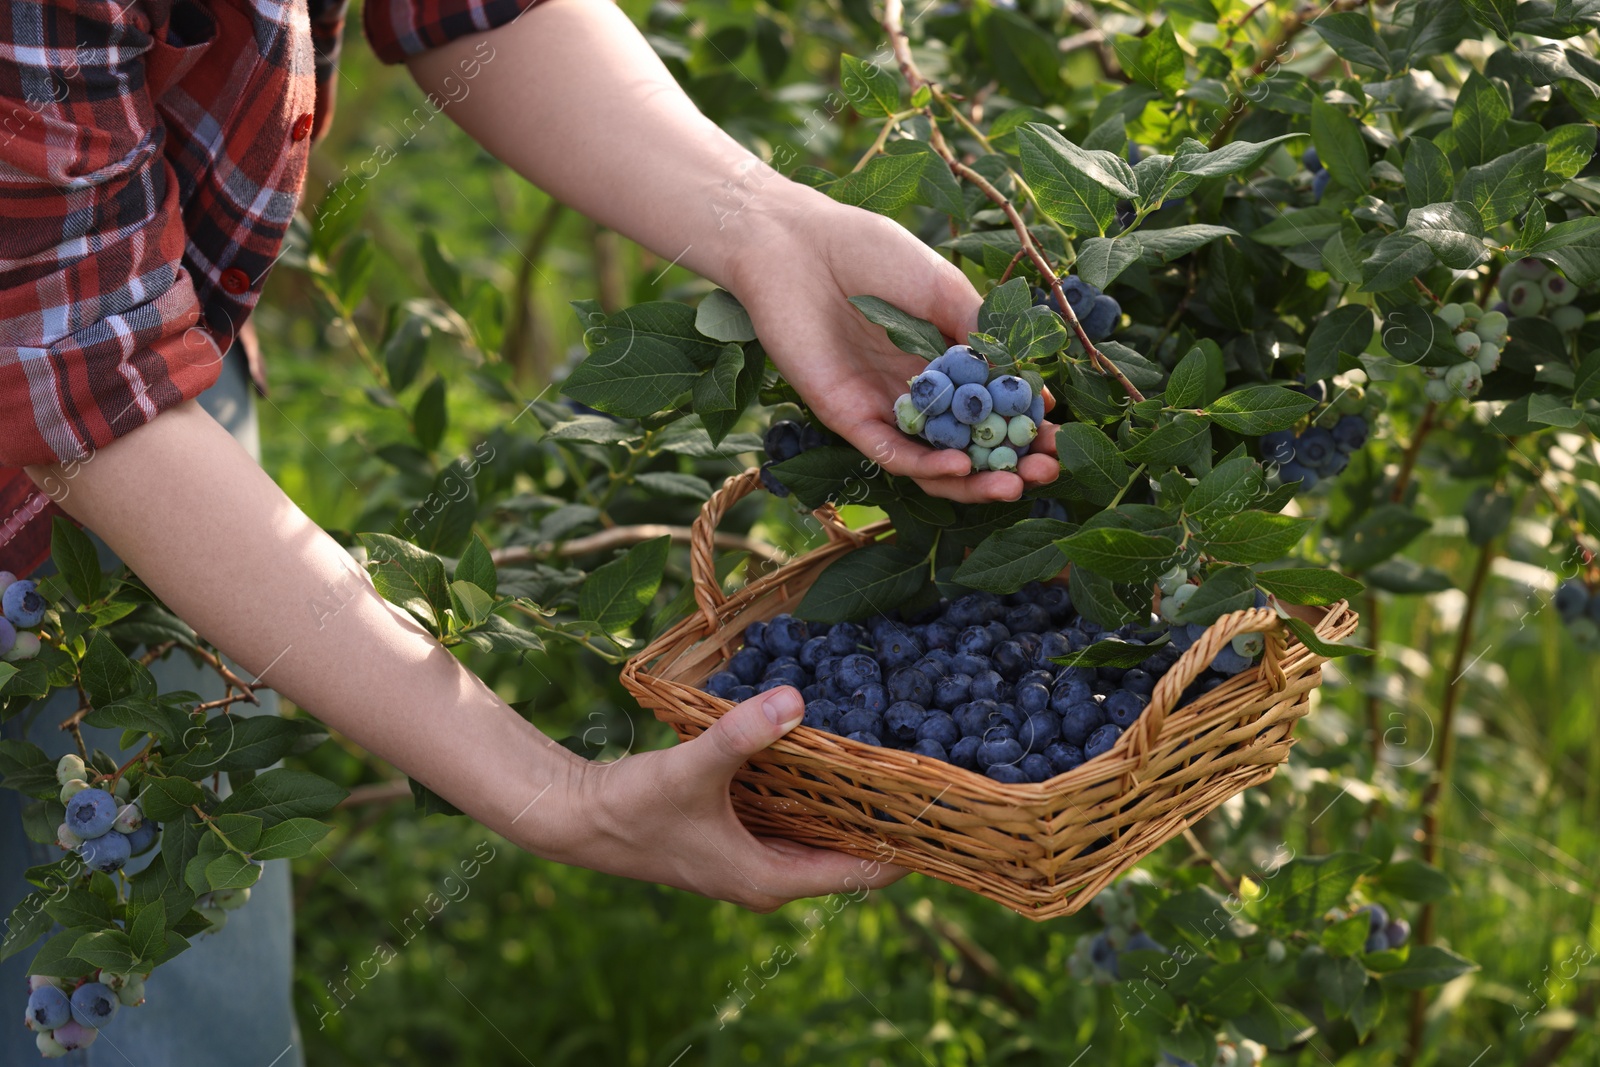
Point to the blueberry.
(1295, 472)
(1057, 601)
(1036, 768)
(91, 812)
(872, 697)
(1101, 740)
(962, 366)
(813, 652)
(782, 441)
(812, 437)
(1124, 707)
(1143, 942)
(1010, 774)
(821, 714)
(908, 416)
(1319, 184)
(975, 641)
(964, 753)
(1277, 447)
(1039, 730)
(972, 404)
(939, 635)
(93, 1005)
(1314, 447)
(1032, 697)
(23, 605)
(1312, 160)
(908, 683)
(741, 694)
(770, 483)
(987, 685)
(73, 1035)
(1103, 955)
(898, 646)
(1571, 599)
(1011, 658)
(1350, 433)
(932, 391)
(952, 691)
(1003, 458)
(1079, 293)
(748, 665)
(943, 431)
(1377, 917)
(861, 720)
(106, 853)
(1028, 618)
(999, 750)
(969, 664)
(1397, 933)
(1336, 464)
(48, 1008)
(1376, 942)
(785, 636)
(1010, 395)
(864, 738)
(1036, 410)
(844, 638)
(722, 683)
(857, 670)
(1139, 681)
(1101, 321)
(1229, 662)
(1062, 756)
(755, 636)
(1069, 692)
(930, 748)
(972, 718)
(997, 630)
(1080, 720)
(937, 726)
(902, 720)
(933, 668)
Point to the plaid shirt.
(152, 155)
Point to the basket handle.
(1198, 657)
(702, 538)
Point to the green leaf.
(1350, 34)
(1429, 178)
(1008, 559)
(28, 769)
(1488, 514)
(719, 424)
(1436, 26)
(477, 566)
(1235, 157)
(1258, 409)
(76, 559)
(1184, 440)
(281, 794)
(936, 185)
(403, 351)
(1252, 536)
(873, 91)
(78, 907)
(1428, 965)
(1383, 532)
(28, 922)
(1340, 145)
(1187, 387)
(431, 416)
(1002, 304)
(1415, 880)
(1344, 331)
(868, 581)
(1111, 604)
(1225, 590)
(1366, 1013)
(245, 742)
(1341, 983)
(1110, 652)
(674, 483)
(1501, 188)
(1094, 468)
(887, 185)
(1161, 61)
(721, 317)
(440, 270)
(1075, 187)
(1571, 148)
(1309, 225)
(147, 934)
(819, 474)
(108, 950)
(1162, 246)
(166, 799)
(1121, 555)
(289, 839)
(1497, 15)
(1398, 258)
(1277, 1026)
(906, 332)
(55, 957)
(1479, 120)
(717, 388)
(1102, 259)
(643, 358)
(109, 675)
(353, 268)
(406, 575)
(1331, 649)
(1305, 888)
(1574, 246)
(1309, 585)
(1035, 333)
(618, 593)
(1231, 486)
(1454, 232)
(231, 871)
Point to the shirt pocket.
(178, 46)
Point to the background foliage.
(553, 965)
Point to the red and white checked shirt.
(152, 155)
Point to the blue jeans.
(226, 1001)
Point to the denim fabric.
(226, 1001)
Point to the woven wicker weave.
(1043, 849)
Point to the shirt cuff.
(398, 29)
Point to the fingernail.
(783, 704)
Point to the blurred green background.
(427, 940)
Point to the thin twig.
(1204, 855)
(222, 702)
(1408, 462)
(156, 652)
(227, 675)
(1011, 266)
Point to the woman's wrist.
(768, 221)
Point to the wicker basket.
(1043, 849)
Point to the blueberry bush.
(1309, 287)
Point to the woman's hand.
(666, 817)
(796, 286)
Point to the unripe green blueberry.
(1173, 604)
(1525, 298)
(1557, 290)
(48, 1046)
(1227, 1056)
(1003, 458)
(217, 917)
(231, 899)
(66, 838)
(1249, 645)
(1492, 326)
(72, 789)
(1172, 580)
(1352, 400)
(1437, 391)
(27, 647)
(908, 416)
(979, 456)
(1376, 401)
(1452, 314)
(1276, 952)
(129, 817)
(1020, 431)
(1488, 357)
(989, 431)
(122, 790)
(132, 991)
(1328, 417)
(1472, 311)
(1464, 379)
(1467, 343)
(69, 767)
(1568, 318)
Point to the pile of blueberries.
(786, 439)
(970, 681)
(103, 828)
(23, 610)
(1097, 312)
(68, 1014)
(959, 402)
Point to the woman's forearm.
(575, 100)
(197, 519)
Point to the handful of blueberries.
(959, 402)
(971, 681)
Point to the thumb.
(747, 728)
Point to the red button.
(302, 127)
(235, 281)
